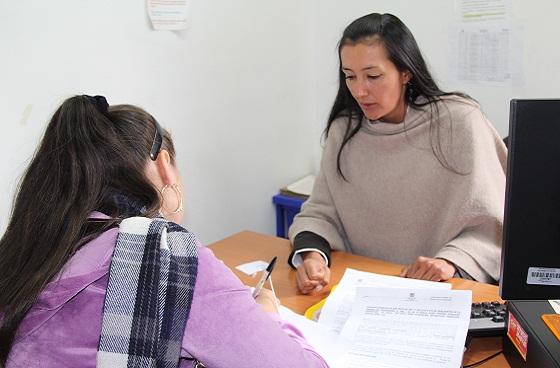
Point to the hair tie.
(99, 102)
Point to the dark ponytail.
(87, 152)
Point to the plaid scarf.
(149, 294)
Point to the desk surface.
(248, 246)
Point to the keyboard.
(487, 319)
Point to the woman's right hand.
(268, 301)
(313, 274)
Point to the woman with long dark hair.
(410, 174)
(95, 271)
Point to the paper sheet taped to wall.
(168, 15)
(483, 10)
(489, 54)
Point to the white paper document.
(168, 15)
(303, 186)
(489, 54)
(330, 345)
(251, 268)
(338, 306)
(406, 328)
(483, 10)
(555, 304)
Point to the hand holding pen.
(264, 277)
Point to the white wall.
(232, 89)
(245, 90)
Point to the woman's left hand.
(432, 269)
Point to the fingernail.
(318, 287)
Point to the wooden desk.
(248, 246)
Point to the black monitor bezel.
(534, 126)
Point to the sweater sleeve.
(307, 240)
(319, 214)
(227, 328)
(476, 249)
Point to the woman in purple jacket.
(94, 270)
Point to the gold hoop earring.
(179, 195)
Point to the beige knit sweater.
(400, 202)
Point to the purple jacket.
(226, 328)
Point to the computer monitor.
(530, 264)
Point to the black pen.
(265, 276)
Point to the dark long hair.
(85, 155)
(404, 52)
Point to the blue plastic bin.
(286, 208)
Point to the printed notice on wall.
(485, 47)
(486, 55)
(168, 15)
(483, 10)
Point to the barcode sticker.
(543, 276)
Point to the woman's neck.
(396, 116)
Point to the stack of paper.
(390, 322)
(301, 188)
(330, 345)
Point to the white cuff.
(297, 259)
